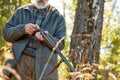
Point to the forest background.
(109, 63)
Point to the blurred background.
(109, 62)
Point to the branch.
(53, 50)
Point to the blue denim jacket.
(14, 32)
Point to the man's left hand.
(39, 36)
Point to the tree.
(86, 35)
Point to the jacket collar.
(31, 7)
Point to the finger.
(37, 35)
(32, 28)
(46, 32)
(29, 32)
(32, 25)
(41, 37)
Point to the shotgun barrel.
(52, 44)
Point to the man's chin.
(40, 6)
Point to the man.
(30, 52)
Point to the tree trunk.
(86, 35)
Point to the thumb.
(46, 32)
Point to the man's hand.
(30, 28)
(39, 36)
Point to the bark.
(87, 30)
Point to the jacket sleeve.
(60, 32)
(13, 30)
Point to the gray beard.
(40, 6)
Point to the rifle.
(52, 44)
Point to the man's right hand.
(30, 28)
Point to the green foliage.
(114, 58)
(71, 9)
(110, 43)
(63, 68)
